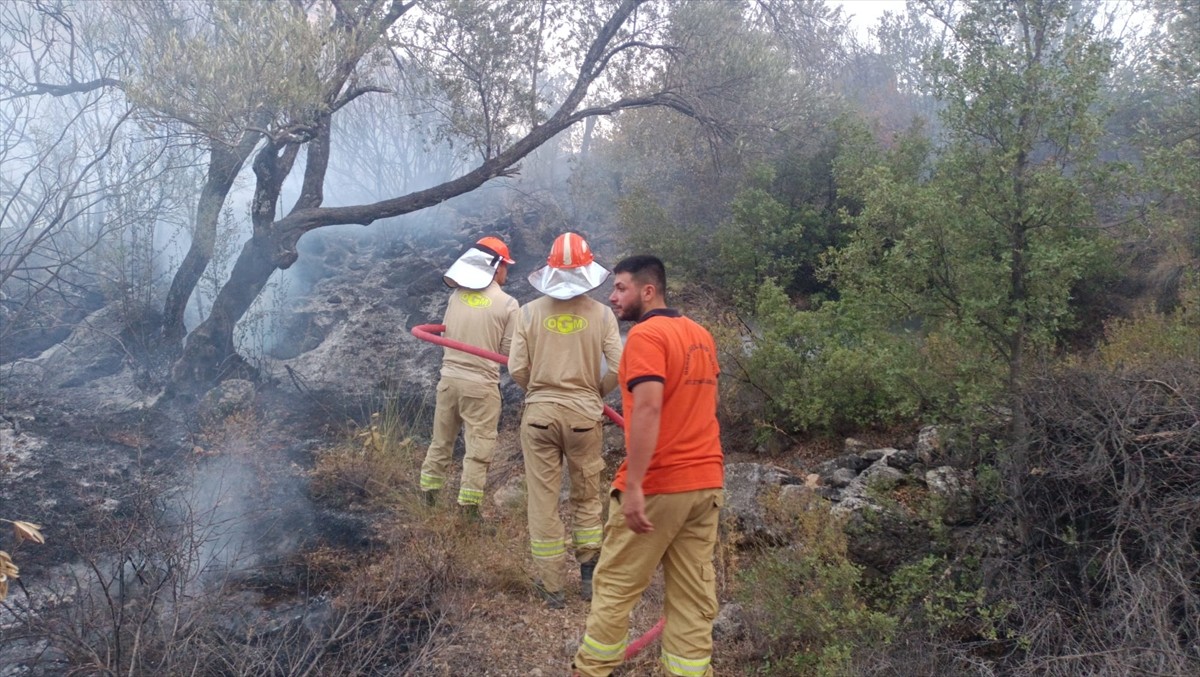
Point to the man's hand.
(633, 507)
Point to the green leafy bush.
(649, 228)
(940, 596)
(809, 615)
(1148, 339)
(828, 370)
(763, 240)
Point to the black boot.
(474, 520)
(553, 600)
(430, 496)
(585, 580)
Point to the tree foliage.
(984, 239)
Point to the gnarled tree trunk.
(224, 164)
(209, 353)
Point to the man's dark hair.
(645, 269)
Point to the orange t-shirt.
(672, 349)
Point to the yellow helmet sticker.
(475, 299)
(565, 324)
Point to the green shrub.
(1150, 338)
(938, 597)
(826, 371)
(764, 239)
(648, 228)
(809, 616)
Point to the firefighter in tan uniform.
(556, 356)
(478, 313)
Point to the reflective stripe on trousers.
(605, 652)
(584, 537)
(469, 496)
(548, 549)
(685, 667)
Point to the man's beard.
(632, 313)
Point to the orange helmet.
(569, 251)
(497, 245)
(476, 267)
(571, 269)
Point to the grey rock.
(873, 455)
(882, 476)
(746, 485)
(511, 494)
(829, 493)
(799, 492)
(929, 444)
(851, 462)
(902, 460)
(884, 538)
(854, 446)
(957, 492)
(881, 535)
(730, 622)
(854, 462)
(841, 477)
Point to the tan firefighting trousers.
(685, 533)
(474, 407)
(550, 433)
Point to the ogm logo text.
(475, 299)
(565, 324)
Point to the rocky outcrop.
(956, 493)
(747, 487)
(347, 327)
(894, 502)
(100, 366)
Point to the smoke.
(242, 512)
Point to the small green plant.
(990, 482)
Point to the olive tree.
(467, 50)
(261, 84)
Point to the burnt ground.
(71, 466)
(127, 486)
(220, 500)
(110, 486)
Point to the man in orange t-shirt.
(667, 495)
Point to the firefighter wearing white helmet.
(478, 313)
(559, 350)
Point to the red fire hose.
(432, 334)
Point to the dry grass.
(488, 620)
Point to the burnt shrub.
(1106, 497)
